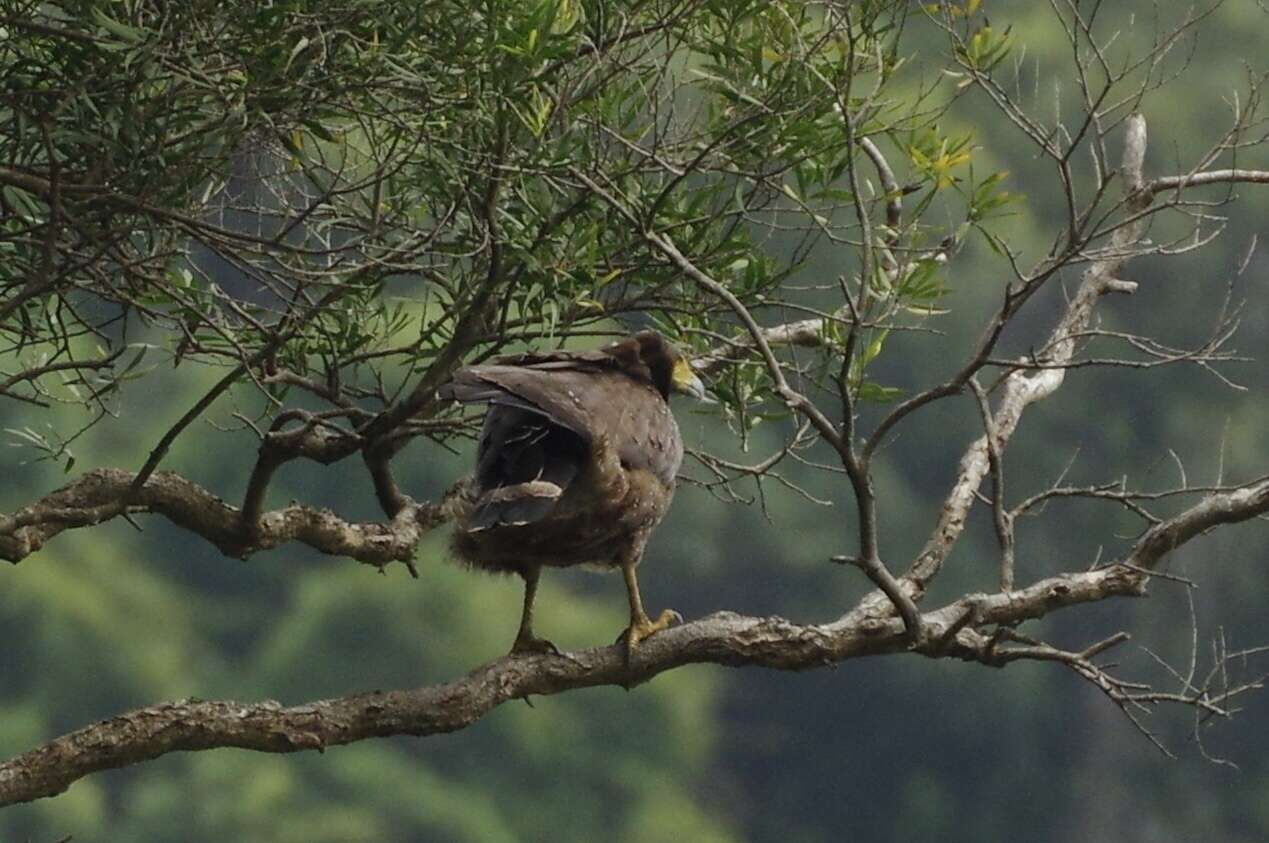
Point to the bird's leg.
(641, 626)
(526, 641)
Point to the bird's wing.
(559, 394)
(589, 396)
(595, 358)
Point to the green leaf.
(114, 27)
(876, 393)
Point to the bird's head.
(669, 370)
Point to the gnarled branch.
(724, 638)
(105, 493)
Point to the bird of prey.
(575, 465)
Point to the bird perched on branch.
(576, 465)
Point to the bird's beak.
(687, 382)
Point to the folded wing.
(547, 415)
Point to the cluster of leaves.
(330, 189)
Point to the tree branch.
(105, 493)
(1213, 510)
(1233, 176)
(1021, 389)
(723, 638)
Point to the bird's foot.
(644, 628)
(532, 645)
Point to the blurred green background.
(891, 749)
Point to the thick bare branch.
(1218, 508)
(106, 493)
(723, 638)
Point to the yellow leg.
(641, 626)
(526, 641)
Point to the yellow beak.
(686, 382)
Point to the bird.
(575, 465)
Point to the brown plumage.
(576, 464)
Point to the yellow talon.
(644, 627)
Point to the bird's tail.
(514, 505)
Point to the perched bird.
(575, 465)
